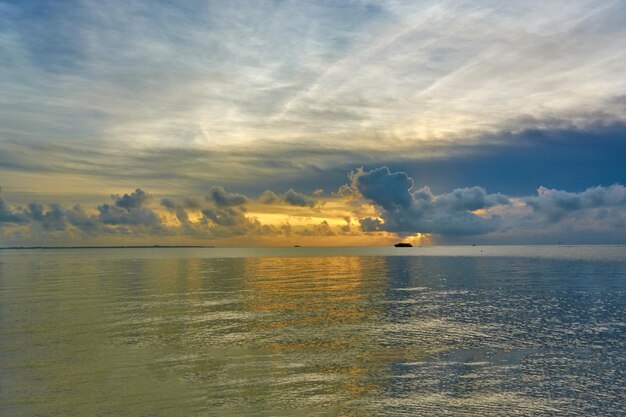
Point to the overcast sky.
(325, 122)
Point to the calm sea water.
(313, 331)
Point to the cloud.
(408, 211)
(219, 215)
(369, 224)
(221, 198)
(388, 190)
(555, 205)
(471, 211)
(383, 202)
(290, 197)
(112, 215)
(469, 199)
(129, 210)
(269, 197)
(135, 199)
(77, 217)
(297, 199)
(50, 218)
(168, 203)
(322, 229)
(7, 215)
(224, 217)
(433, 78)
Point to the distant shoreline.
(108, 247)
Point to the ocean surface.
(468, 331)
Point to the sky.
(274, 123)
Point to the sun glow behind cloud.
(376, 207)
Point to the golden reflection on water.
(247, 334)
(322, 293)
(329, 289)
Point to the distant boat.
(403, 245)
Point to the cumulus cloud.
(555, 205)
(473, 198)
(269, 197)
(471, 211)
(50, 218)
(297, 199)
(222, 214)
(113, 215)
(77, 217)
(129, 210)
(369, 224)
(322, 229)
(373, 201)
(219, 215)
(221, 198)
(388, 190)
(290, 197)
(8, 215)
(135, 199)
(405, 210)
(224, 217)
(168, 203)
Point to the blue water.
(510, 330)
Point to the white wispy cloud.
(395, 78)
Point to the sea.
(422, 331)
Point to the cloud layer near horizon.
(378, 202)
